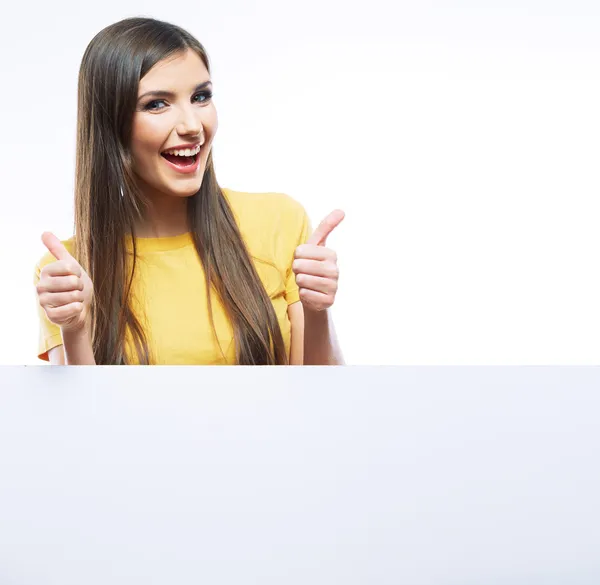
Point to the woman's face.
(173, 126)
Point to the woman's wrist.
(320, 342)
(77, 345)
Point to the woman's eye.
(201, 97)
(155, 105)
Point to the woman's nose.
(189, 123)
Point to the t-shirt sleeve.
(49, 335)
(300, 230)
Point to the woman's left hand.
(316, 266)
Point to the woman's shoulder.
(273, 224)
(265, 206)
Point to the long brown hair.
(108, 203)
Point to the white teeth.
(184, 152)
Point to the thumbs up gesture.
(64, 290)
(315, 266)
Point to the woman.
(165, 266)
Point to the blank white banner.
(353, 475)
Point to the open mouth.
(182, 158)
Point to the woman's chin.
(187, 190)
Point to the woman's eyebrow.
(169, 94)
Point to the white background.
(461, 138)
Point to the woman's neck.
(165, 217)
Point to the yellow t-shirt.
(169, 284)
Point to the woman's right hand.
(64, 290)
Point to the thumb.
(55, 246)
(319, 236)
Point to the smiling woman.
(167, 267)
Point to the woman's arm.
(313, 340)
(78, 348)
(296, 317)
(320, 341)
(65, 294)
(56, 356)
(317, 273)
(75, 351)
